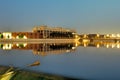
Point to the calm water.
(83, 62)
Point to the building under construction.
(40, 32)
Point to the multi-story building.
(40, 32)
(54, 32)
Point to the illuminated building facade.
(26, 35)
(56, 32)
(99, 36)
(41, 32)
(92, 36)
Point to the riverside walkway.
(37, 40)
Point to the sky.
(85, 16)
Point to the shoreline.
(29, 74)
(37, 40)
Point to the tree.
(21, 45)
(21, 36)
(1, 36)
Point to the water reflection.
(43, 48)
(57, 48)
(82, 63)
(99, 44)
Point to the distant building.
(91, 36)
(54, 32)
(39, 32)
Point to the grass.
(30, 75)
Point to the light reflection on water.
(94, 61)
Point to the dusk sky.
(86, 16)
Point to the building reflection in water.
(42, 48)
(98, 44)
(58, 48)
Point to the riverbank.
(31, 75)
(37, 40)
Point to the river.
(86, 62)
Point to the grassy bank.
(30, 75)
